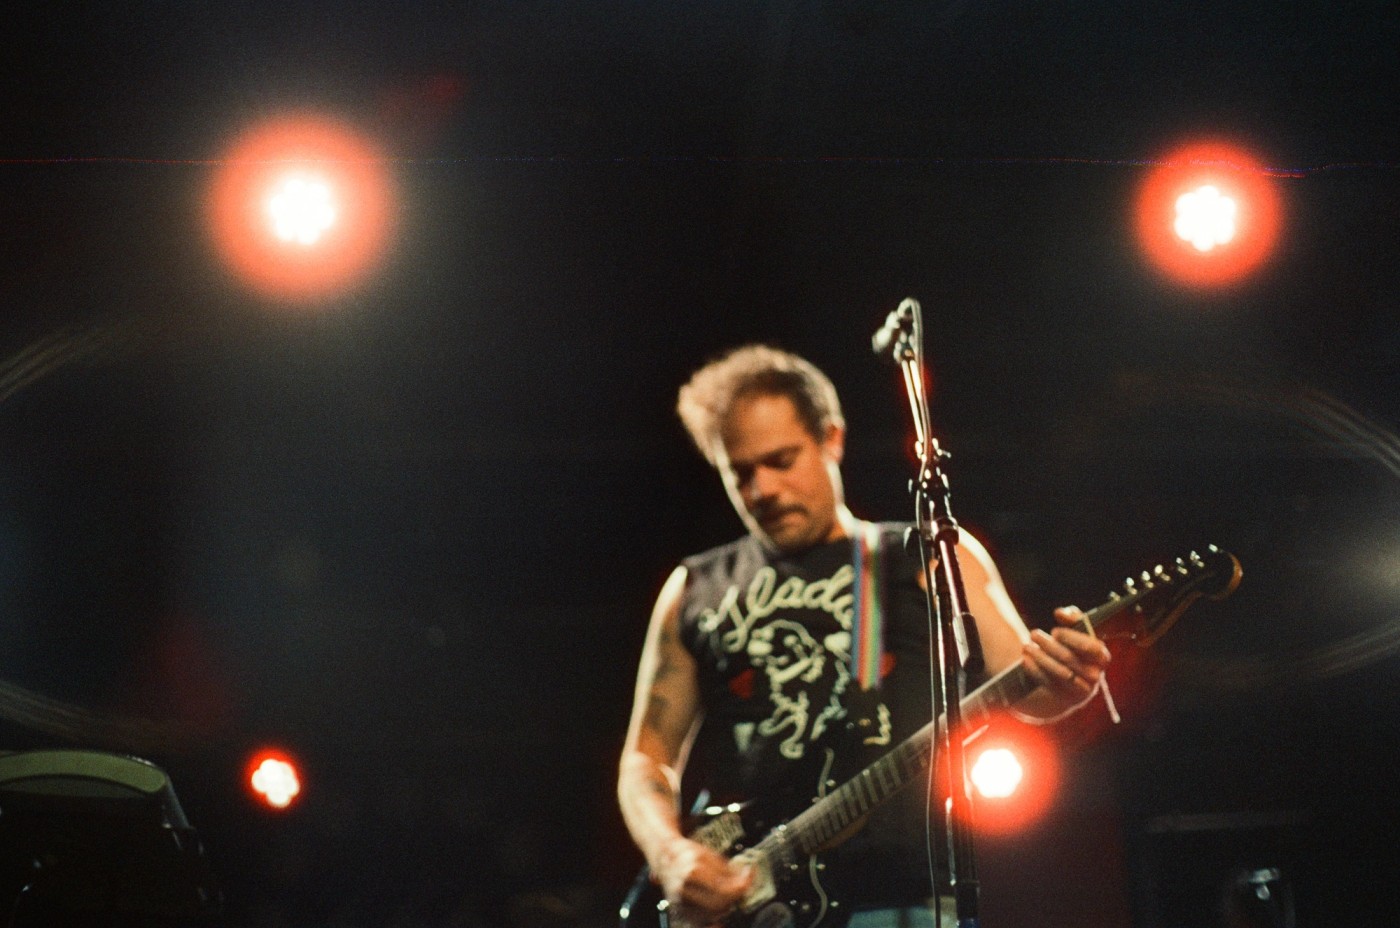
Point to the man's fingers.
(714, 885)
(1059, 665)
(705, 885)
(1058, 648)
(1086, 646)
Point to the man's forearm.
(646, 793)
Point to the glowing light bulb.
(302, 210)
(276, 781)
(997, 773)
(1205, 217)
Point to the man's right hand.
(704, 885)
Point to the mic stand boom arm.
(957, 647)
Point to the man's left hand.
(1067, 662)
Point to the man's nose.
(763, 485)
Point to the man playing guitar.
(750, 667)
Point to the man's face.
(784, 483)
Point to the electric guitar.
(787, 890)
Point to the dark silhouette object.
(92, 838)
(1259, 899)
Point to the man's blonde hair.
(755, 370)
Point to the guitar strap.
(867, 607)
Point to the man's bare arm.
(665, 713)
(665, 710)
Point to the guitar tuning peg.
(1160, 571)
(1147, 579)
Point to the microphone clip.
(896, 337)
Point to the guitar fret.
(867, 801)
(833, 823)
(843, 806)
(825, 830)
(858, 792)
(909, 760)
(882, 774)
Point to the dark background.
(412, 534)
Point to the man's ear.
(834, 443)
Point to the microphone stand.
(958, 649)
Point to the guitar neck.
(819, 824)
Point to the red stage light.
(1015, 772)
(1208, 215)
(997, 772)
(274, 779)
(301, 208)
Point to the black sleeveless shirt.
(771, 635)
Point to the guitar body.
(790, 895)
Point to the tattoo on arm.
(657, 708)
(664, 668)
(658, 785)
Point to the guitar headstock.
(1152, 602)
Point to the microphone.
(898, 323)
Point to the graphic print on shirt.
(806, 675)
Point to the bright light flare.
(996, 773)
(274, 779)
(1205, 217)
(1014, 770)
(1208, 214)
(301, 208)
